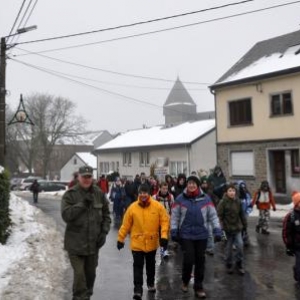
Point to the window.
(127, 159)
(295, 165)
(112, 166)
(240, 112)
(75, 161)
(144, 158)
(242, 163)
(281, 104)
(177, 167)
(104, 167)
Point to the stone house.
(258, 114)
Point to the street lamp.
(3, 88)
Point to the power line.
(16, 19)
(108, 71)
(119, 84)
(128, 98)
(160, 30)
(137, 23)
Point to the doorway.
(279, 171)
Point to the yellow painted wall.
(264, 127)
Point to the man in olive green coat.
(85, 210)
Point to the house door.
(279, 171)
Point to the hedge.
(5, 221)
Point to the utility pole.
(2, 100)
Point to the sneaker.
(230, 268)
(151, 289)
(184, 288)
(137, 296)
(240, 268)
(165, 254)
(200, 294)
(265, 231)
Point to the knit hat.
(144, 188)
(194, 178)
(296, 198)
(203, 179)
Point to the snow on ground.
(32, 263)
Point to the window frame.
(282, 104)
(144, 158)
(295, 163)
(234, 112)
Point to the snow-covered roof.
(184, 133)
(88, 158)
(267, 58)
(86, 138)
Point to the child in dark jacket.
(233, 221)
(291, 234)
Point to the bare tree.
(54, 119)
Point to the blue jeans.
(234, 239)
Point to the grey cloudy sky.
(199, 54)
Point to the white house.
(78, 160)
(166, 149)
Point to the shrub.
(5, 221)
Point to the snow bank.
(32, 263)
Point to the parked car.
(51, 186)
(27, 182)
(15, 183)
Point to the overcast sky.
(199, 54)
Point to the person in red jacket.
(103, 184)
(264, 199)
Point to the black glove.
(120, 245)
(101, 240)
(274, 209)
(289, 252)
(163, 243)
(218, 238)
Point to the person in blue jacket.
(192, 211)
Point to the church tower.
(179, 106)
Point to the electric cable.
(110, 71)
(128, 98)
(158, 30)
(138, 23)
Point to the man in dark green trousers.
(85, 210)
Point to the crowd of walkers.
(190, 213)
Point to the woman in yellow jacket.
(143, 220)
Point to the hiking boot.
(257, 229)
(137, 296)
(200, 294)
(151, 289)
(265, 231)
(184, 288)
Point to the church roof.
(179, 95)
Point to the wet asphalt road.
(268, 269)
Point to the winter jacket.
(103, 185)
(231, 215)
(245, 197)
(258, 199)
(178, 189)
(117, 193)
(87, 221)
(291, 230)
(191, 215)
(143, 223)
(35, 187)
(166, 200)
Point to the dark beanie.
(144, 188)
(194, 178)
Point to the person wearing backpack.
(291, 234)
(264, 200)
